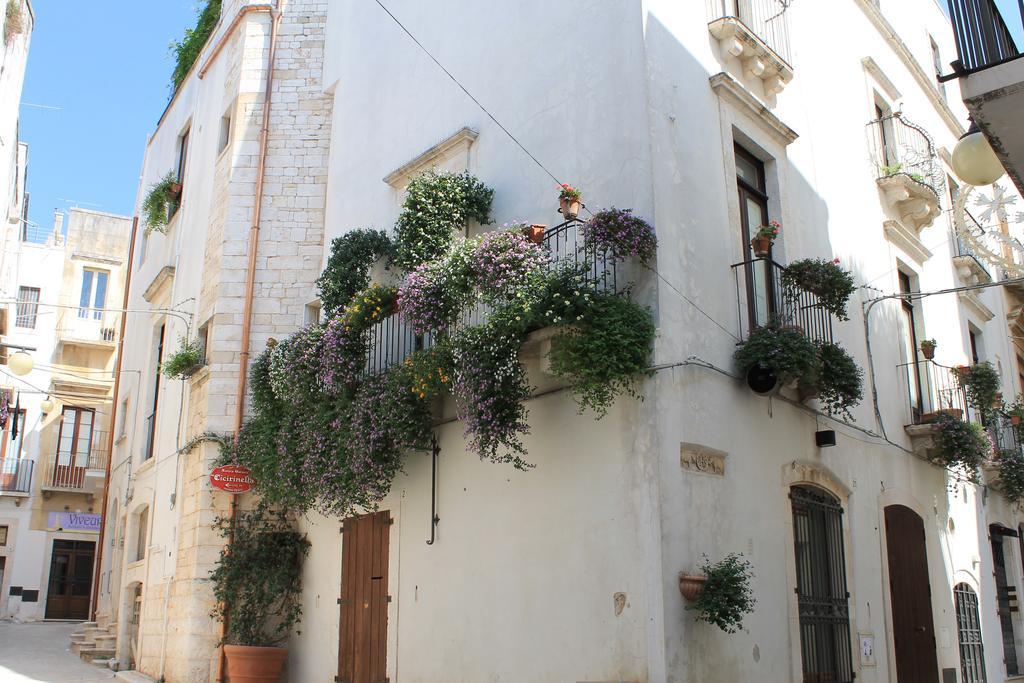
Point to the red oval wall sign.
(232, 478)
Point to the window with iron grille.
(28, 307)
(968, 626)
(822, 598)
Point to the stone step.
(94, 631)
(133, 677)
(95, 653)
(87, 624)
(105, 641)
(78, 647)
(77, 637)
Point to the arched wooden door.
(910, 595)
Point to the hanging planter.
(690, 585)
(761, 244)
(569, 201)
(928, 349)
(175, 189)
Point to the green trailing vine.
(437, 204)
(981, 384)
(156, 207)
(784, 351)
(187, 50)
(348, 268)
(960, 446)
(726, 597)
(1010, 483)
(185, 361)
(841, 382)
(827, 280)
(257, 581)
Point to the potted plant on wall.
(721, 596)
(774, 356)
(569, 201)
(827, 280)
(764, 238)
(258, 586)
(928, 348)
(156, 207)
(184, 362)
(980, 383)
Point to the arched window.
(821, 586)
(968, 627)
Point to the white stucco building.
(708, 120)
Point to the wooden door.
(910, 594)
(67, 595)
(362, 651)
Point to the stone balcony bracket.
(970, 270)
(759, 60)
(915, 203)
(922, 438)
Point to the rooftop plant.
(187, 50)
(437, 204)
(827, 280)
(620, 233)
(726, 597)
(156, 207)
(185, 361)
(258, 579)
(348, 267)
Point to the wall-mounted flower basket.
(690, 585)
(175, 189)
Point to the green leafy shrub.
(1010, 465)
(981, 384)
(258, 579)
(185, 361)
(604, 351)
(726, 597)
(437, 204)
(348, 268)
(156, 207)
(784, 351)
(959, 445)
(832, 284)
(841, 382)
(187, 50)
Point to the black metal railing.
(765, 18)
(900, 147)
(1005, 435)
(983, 37)
(392, 340)
(762, 298)
(930, 388)
(963, 249)
(16, 477)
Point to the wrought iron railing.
(392, 340)
(762, 298)
(765, 18)
(983, 37)
(962, 248)
(16, 476)
(900, 147)
(1005, 435)
(930, 388)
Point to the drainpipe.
(250, 285)
(113, 424)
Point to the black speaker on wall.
(825, 438)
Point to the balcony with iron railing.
(78, 466)
(88, 327)
(762, 298)
(392, 340)
(970, 264)
(983, 36)
(755, 32)
(16, 476)
(907, 170)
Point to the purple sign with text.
(74, 521)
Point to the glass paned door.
(73, 448)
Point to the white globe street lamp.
(20, 363)
(974, 161)
(47, 405)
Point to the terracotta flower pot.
(928, 351)
(570, 208)
(248, 664)
(535, 232)
(690, 585)
(928, 418)
(761, 246)
(176, 189)
(1015, 419)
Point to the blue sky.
(107, 66)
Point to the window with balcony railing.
(984, 37)
(74, 448)
(900, 147)
(764, 18)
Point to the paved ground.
(38, 653)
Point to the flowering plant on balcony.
(620, 233)
(827, 280)
(981, 384)
(506, 265)
(960, 446)
(726, 597)
(841, 380)
(184, 362)
(433, 294)
(295, 364)
(784, 351)
(1010, 483)
(567, 191)
(437, 204)
(768, 232)
(348, 268)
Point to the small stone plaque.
(701, 459)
